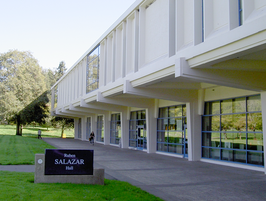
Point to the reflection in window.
(115, 129)
(170, 129)
(234, 134)
(93, 64)
(100, 129)
(137, 120)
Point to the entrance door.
(141, 137)
(185, 144)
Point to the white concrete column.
(193, 131)
(84, 80)
(124, 51)
(197, 22)
(142, 20)
(172, 28)
(113, 56)
(136, 41)
(94, 124)
(83, 128)
(107, 119)
(151, 126)
(76, 125)
(263, 113)
(125, 128)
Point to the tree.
(61, 69)
(21, 81)
(36, 111)
(63, 123)
(50, 77)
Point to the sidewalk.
(172, 178)
(17, 168)
(169, 178)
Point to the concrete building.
(185, 78)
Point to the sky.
(56, 30)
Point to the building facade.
(184, 78)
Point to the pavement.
(169, 178)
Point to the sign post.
(67, 166)
(68, 162)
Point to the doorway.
(141, 137)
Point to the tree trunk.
(18, 132)
(62, 133)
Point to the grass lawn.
(31, 131)
(15, 150)
(19, 186)
(18, 150)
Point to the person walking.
(39, 134)
(92, 138)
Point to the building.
(185, 78)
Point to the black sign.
(68, 162)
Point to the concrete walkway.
(172, 178)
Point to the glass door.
(141, 137)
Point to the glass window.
(234, 134)
(115, 129)
(226, 106)
(163, 112)
(212, 108)
(137, 129)
(256, 158)
(170, 129)
(253, 104)
(100, 129)
(92, 72)
(254, 122)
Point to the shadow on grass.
(36, 129)
(30, 135)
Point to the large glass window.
(115, 129)
(93, 65)
(232, 130)
(137, 129)
(170, 129)
(100, 129)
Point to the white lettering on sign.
(69, 161)
(69, 155)
(69, 168)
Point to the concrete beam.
(249, 80)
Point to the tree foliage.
(63, 123)
(36, 111)
(21, 81)
(61, 69)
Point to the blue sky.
(56, 30)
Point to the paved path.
(173, 178)
(18, 168)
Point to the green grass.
(15, 150)
(21, 150)
(31, 131)
(20, 186)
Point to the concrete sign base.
(97, 177)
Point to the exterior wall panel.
(156, 30)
